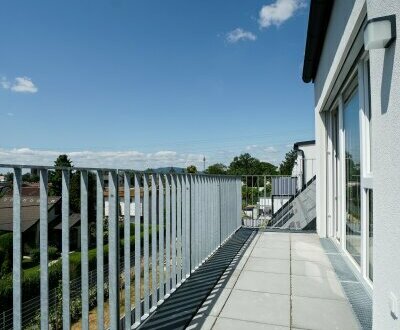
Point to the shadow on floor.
(179, 309)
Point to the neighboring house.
(304, 166)
(2, 178)
(132, 207)
(30, 216)
(357, 118)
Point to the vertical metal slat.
(137, 251)
(44, 271)
(154, 241)
(146, 245)
(173, 233)
(17, 250)
(168, 234)
(127, 248)
(179, 229)
(161, 235)
(65, 249)
(113, 254)
(99, 248)
(84, 250)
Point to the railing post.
(44, 272)
(17, 251)
(65, 250)
(113, 253)
(161, 235)
(127, 248)
(153, 241)
(220, 211)
(138, 256)
(84, 250)
(100, 248)
(146, 203)
(168, 234)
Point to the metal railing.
(180, 220)
(266, 197)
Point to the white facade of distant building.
(305, 164)
(357, 118)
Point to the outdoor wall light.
(380, 32)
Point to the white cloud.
(251, 147)
(5, 83)
(10, 114)
(103, 159)
(278, 12)
(271, 150)
(240, 35)
(24, 85)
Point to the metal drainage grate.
(355, 291)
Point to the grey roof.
(30, 211)
(74, 218)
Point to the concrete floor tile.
(308, 255)
(263, 282)
(231, 324)
(317, 287)
(304, 238)
(201, 321)
(214, 302)
(311, 268)
(258, 307)
(273, 244)
(316, 314)
(270, 253)
(268, 265)
(277, 236)
(307, 245)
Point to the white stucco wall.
(385, 105)
(385, 99)
(305, 163)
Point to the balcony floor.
(280, 281)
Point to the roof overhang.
(318, 21)
(303, 143)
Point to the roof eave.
(318, 20)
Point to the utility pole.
(204, 163)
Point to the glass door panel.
(352, 175)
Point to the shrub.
(53, 253)
(35, 256)
(6, 253)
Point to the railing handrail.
(107, 169)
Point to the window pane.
(369, 116)
(371, 234)
(352, 166)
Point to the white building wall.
(305, 163)
(385, 99)
(346, 19)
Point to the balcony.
(154, 251)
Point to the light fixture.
(380, 32)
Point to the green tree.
(55, 176)
(28, 177)
(191, 169)
(245, 164)
(9, 176)
(217, 169)
(286, 167)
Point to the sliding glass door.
(351, 125)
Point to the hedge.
(31, 276)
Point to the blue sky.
(152, 83)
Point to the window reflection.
(352, 167)
(371, 234)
